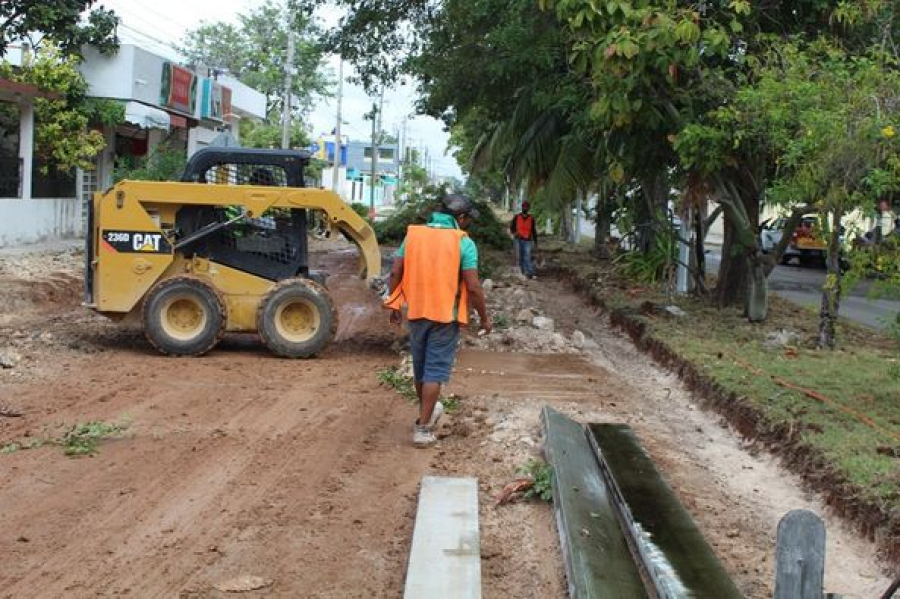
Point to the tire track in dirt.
(218, 481)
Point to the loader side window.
(246, 174)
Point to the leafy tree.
(628, 99)
(62, 134)
(60, 22)
(831, 120)
(266, 135)
(255, 52)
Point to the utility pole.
(374, 158)
(376, 132)
(289, 71)
(336, 175)
(401, 151)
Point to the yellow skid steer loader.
(223, 250)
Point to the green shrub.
(486, 230)
(656, 264)
(542, 474)
(164, 163)
(361, 209)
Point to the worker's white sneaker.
(422, 436)
(436, 414)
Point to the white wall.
(245, 100)
(30, 221)
(111, 76)
(200, 137)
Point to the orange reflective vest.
(524, 226)
(432, 285)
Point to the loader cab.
(247, 166)
(272, 245)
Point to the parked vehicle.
(807, 243)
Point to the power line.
(165, 44)
(129, 11)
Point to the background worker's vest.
(524, 225)
(432, 282)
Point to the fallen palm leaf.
(513, 488)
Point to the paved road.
(803, 285)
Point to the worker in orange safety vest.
(435, 277)
(524, 232)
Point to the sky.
(161, 24)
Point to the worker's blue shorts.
(433, 346)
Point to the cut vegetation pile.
(833, 416)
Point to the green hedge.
(486, 230)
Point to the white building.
(164, 102)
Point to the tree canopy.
(60, 22)
(255, 52)
(62, 134)
(649, 102)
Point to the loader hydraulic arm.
(256, 200)
(352, 225)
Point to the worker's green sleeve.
(468, 254)
(401, 250)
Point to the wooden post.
(800, 556)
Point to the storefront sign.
(226, 103)
(178, 89)
(212, 106)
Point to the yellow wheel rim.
(183, 317)
(297, 320)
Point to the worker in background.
(524, 231)
(885, 221)
(435, 276)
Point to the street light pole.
(374, 158)
(289, 71)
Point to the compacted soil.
(239, 471)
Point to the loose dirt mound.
(52, 293)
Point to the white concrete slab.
(445, 559)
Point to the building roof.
(13, 91)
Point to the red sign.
(226, 103)
(178, 89)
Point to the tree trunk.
(831, 290)
(603, 222)
(580, 198)
(758, 291)
(655, 195)
(698, 253)
(565, 222)
(740, 202)
(734, 268)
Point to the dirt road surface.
(300, 475)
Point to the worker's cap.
(526, 205)
(458, 205)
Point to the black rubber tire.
(313, 310)
(207, 305)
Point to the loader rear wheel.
(297, 319)
(183, 317)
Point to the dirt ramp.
(61, 289)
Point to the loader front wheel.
(183, 317)
(297, 319)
